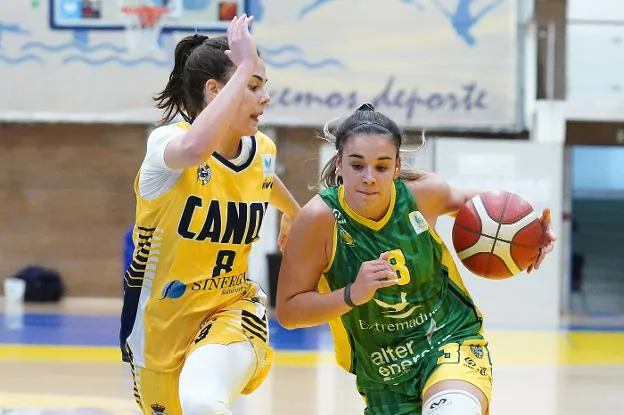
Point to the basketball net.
(143, 25)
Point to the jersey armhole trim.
(435, 235)
(333, 254)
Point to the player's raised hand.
(549, 241)
(242, 45)
(372, 276)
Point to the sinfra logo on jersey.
(173, 289)
(228, 284)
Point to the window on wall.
(598, 172)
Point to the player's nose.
(265, 98)
(368, 177)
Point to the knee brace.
(213, 376)
(452, 402)
(194, 405)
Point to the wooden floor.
(536, 372)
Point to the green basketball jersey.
(383, 340)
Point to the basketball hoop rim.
(157, 10)
(148, 15)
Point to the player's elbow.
(183, 153)
(283, 319)
(285, 316)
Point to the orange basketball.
(497, 234)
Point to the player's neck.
(230, 147)
(371, 211)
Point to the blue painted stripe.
(597, 328)
(59, 329)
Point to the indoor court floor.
(63, 359)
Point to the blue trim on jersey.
(227, 163)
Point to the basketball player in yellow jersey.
(194, 327)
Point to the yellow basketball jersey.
(191, 256)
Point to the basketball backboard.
(184, 15)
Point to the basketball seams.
(502, 214)
(517, 227)
(522, 209)
(489, 226)
(512, 242)
(482, 205)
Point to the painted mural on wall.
(427, 63)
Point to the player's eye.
(254, 88)
(357, 166)
(382, 169)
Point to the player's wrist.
(346, 295)
(247, 65)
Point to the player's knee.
(193, 404)
(452, 402)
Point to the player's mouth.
(256, 116)
(366, 193)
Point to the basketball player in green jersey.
(366, 259)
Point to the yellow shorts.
(156, 393)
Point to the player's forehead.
(370, 146)
(260, 72)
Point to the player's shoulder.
(315, 218)
(168, 130)
(431, 193)
(317, 211)
(174, 126)
(427, 185)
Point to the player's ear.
(211, 89)
(338, 165)
(397, 169)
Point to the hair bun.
(366, 107)
(199, 39)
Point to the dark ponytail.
(329, 178)
(172, 98)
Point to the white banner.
(426, 63)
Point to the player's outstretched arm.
(213, 122)
(436, 197)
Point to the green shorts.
(468, 360)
